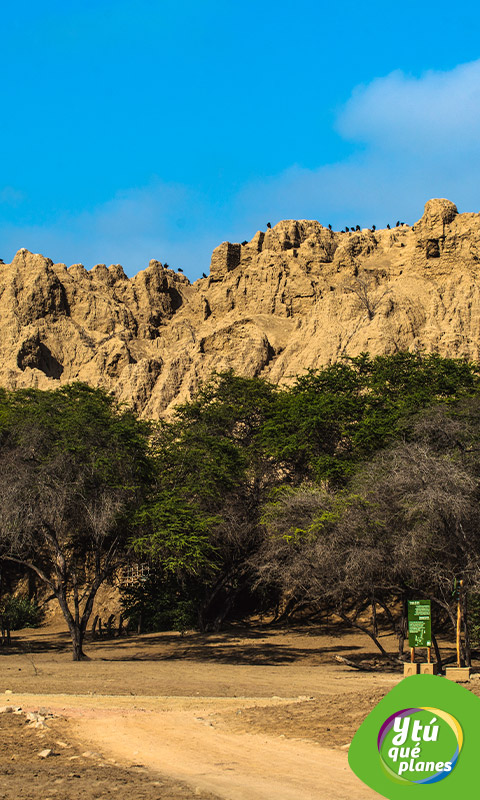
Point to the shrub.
(21, 612)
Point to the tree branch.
(35, 569)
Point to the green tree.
(161, 601)
(211, 461)
(74, 467)
(334, 418)
(20, 612)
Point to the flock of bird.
(352, 229)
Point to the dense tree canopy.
(212, 460)
(332, 419)
(355, 487)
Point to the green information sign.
(419, 623)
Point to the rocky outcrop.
(297, 296)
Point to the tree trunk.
(77, 641)
(205, 606)
(397, 627)
(110, 622)
(32, 586)
(437, 653)
(374, 639)
(201, 618)
(374, 615)
(76, 631)
(5, 626)
(77, 622)
(219, 619)
(290, 606)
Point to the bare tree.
(406, 527)
(364, 288)
(71, 468)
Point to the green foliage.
(20, 612)
(214, 440)
(240, 438)
(161, 602)
(74, 468)
(80, 422)
(194, 495)
(212, 477)
(334, 418)
(173, 532)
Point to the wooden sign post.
(459, 673)
(459, 623)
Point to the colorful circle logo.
(419, 745)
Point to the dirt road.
(254, 715)
(191, 740)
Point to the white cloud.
(438, 112)
(419, 137)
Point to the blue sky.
(138, 130)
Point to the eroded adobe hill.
(295, 297)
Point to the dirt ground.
(71, 771)
(251, 714)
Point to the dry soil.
(252, 714)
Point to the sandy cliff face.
(295, 297)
